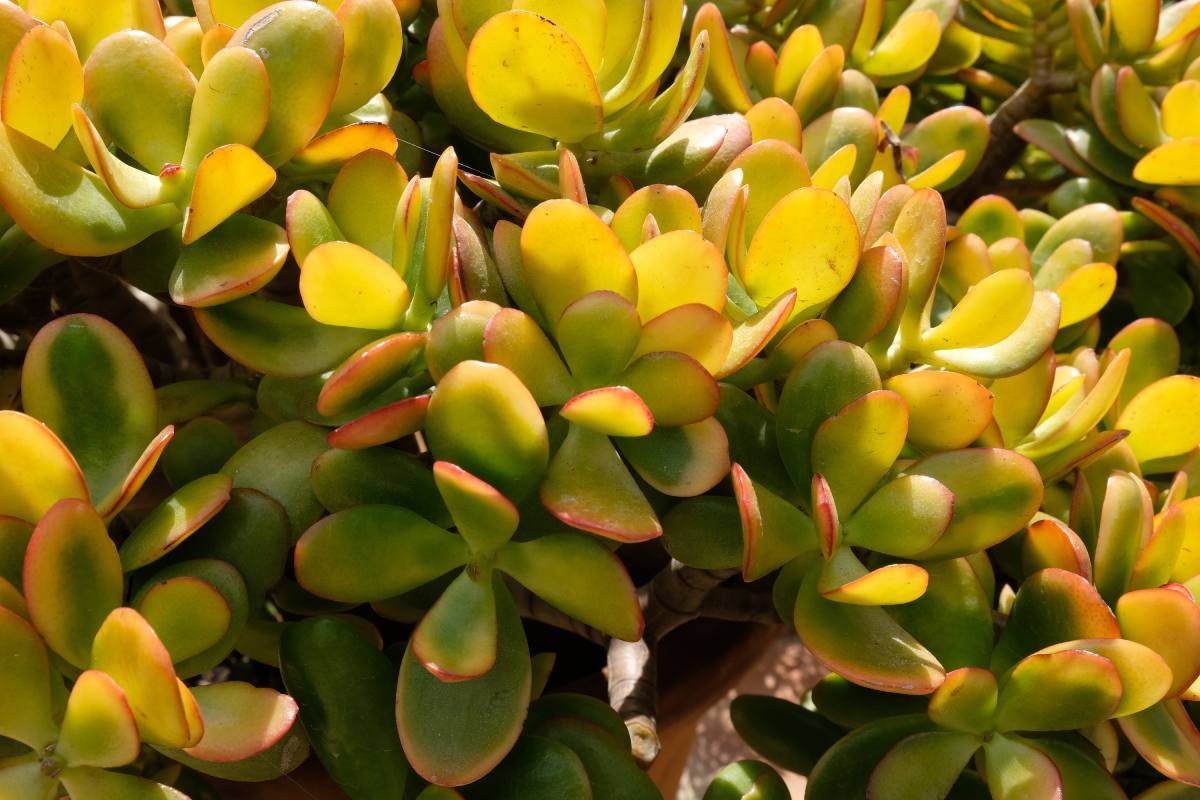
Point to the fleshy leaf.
(39, 471)
(506, 443)
(235, 259)
(345, 689)
(454, 733)
(86, 380)
(923, 762)
(855, 447)
(1164, 418)
(99, 729)
(1015, 770)
(456, 639)
(347, 285)
(569, 570)
(558, 270)
(880, 655)
(1168, 621)
(227, 178)
(528, 73)
(240, 720)
(70, 547)
(906, 516)
(178, 517)
(26, 715)
(611, 411)
(1086, 688)
(340, 557)
(127, 649)
(90, 783)
(588, 487)
(277, 463)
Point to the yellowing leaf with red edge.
(845, 580)
(91, 783)
(227, 179)
(612, 411)
(44, 80)
(673, 209)
(99, 729)
(25, 675)
(235, 259)
(694, 330)
(946, 410)
(382, 425)
(771, 169)
(1165, 735)
(38, 470)
(854, 448)
(836, 167)
(241, 720)
(1167, 620)
(528, 73)
(309, 224)
(894, 661)
(127, 649)
(1164, 418)
(588, 487)
(1135, 23)
(70, 547)
(456, 639)
(512, 339)
(940, 171)
(189, 614)
(1176, 163)
(676, 268)
(1049, 543)
(723, 80)
(174, 520)
(330, 150)
(807, 242)
(363, 200)
(1013, 354)
(344, 284)
(1145, 676)
(68, 208)
(568, 252)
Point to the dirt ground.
(786, 670)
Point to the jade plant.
(383, 384)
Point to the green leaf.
(235, 259)
(174, 520)
(343, 479)
(485, 518)
(747, 780)
(569, 571)
(456, 639)
(86, 381)
(1052, 606)
(924, 762)
(345, 689)
(680, 462)
(609, 764)
(373, 552)
(587, 486)
(484, 420)
(996, 492)
(842, 773)
(953, 618)
(455, 733)
(72, 579)
(277, 463)
(784, 733)
(279, 339)
(577, 706)
(1015, 770)
(25, 675)
(537, 768)
(1086, 689)
(704, 532)
(827, 379)
(98, 728)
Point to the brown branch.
(735, 605)
(675, 596)
(1004, 145)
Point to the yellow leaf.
(1181, 110)
(836, 167)
(585, 20)
(227, 179)
(37, 471)
(939, 171)
(612, 410)
(567, 252)
(907, 46)
(809, 242)
(330, 150)
(43, 82)
(990, 311)
(348, 285)
(774, 118)
(1164, 418)
(675, 269)
(528, 73)
(1085, 291)
(1135, 23)
(795, 56)
(1176, 163)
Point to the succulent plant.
(868, 320)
